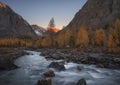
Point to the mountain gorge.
(13, 25)
(96, 27)
(85, 52)
(97, 24)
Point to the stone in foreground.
(58, 66)
(49, 73)
(44, 82)
(81, 82)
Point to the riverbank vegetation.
(83, 38)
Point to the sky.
(41, 11)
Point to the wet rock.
(49, 73)
(117, 60)
(100, 66)
(44, 82)
(113, 66)
(62, 62)
(7, 57)
(7, 66)
(75, 55)
(79, 68)
(57, 66)
(81, 82)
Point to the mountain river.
(33, 65)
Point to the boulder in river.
(81, 82)
(57, 66)
(79, 68)
(44, 82)
(100, 66)
(49, 73)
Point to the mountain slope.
(97, 14)
(12, 24)
(40, 31)
(96, 24)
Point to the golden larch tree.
(100, 37)
(111, 43)
(82, 37)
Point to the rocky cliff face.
(40, 31)
(96, 24)
(97, 14)
(12, 24)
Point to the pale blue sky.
(41, 11)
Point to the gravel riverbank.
(102, 60)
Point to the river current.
(33, 65)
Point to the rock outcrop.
(58, 66)
(97, 14)
(13, 25)
(7, 57)
(44, 82)
(92, 25)
(81, 82)
(40, 31)
(49, 73)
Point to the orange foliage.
(1, 5)
(60, 40)
(82, 37)
(46, 42)
(91, 36)
(63, 38)
(114, 38)
(67, 36)
(37, 42)
(100, 37)
(15, 42)
(53, 29)
(116, 32)
(117, 24)
(111, 43)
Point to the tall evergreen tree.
(52, 23)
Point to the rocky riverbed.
(102, 60)
(7, 57)
(36, 70)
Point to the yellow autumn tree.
(63, 39)
(13, 42)
(114, 38)
(111, 43)
(116, 32)
(117, 24)
(46, 42)
(100, 37)
(68, 34)
(60, 40)
(91, 36)
(82, 37)
(37, 42)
